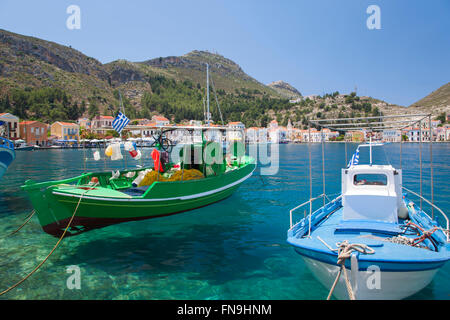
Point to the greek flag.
(354, 160)
(120, 122)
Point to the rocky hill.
(44, 80)
(436, 102)
(285, 89)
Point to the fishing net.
(152, 176)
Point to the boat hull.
(6, 157)
(391, 285)
(27, 148)
(55, 208)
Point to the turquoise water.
(235, 249)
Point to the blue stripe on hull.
(393, 266)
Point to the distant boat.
(7, 155)
(21, 145)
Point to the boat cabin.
(372, 193)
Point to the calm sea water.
(235, 249)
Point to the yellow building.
(65, 130)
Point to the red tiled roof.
(67, 123)
(159, 118)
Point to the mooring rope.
(23, 224)
(344, 250)
(54, 248)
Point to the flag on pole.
(355, 159)
(120, 122)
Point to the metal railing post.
(431, 167)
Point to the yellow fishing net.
(152, 176)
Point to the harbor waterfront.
(234, 249)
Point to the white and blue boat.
(372, 241)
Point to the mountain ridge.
(174, 86)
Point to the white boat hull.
(388, 286)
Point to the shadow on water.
(212, 243)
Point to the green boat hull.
(55, 202)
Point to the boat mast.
(207, 95)
(370, 147)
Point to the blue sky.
(317, 46)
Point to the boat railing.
(310, 202)
(5, 143)
(435, 207)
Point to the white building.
(392, 135)
(256, 135)
(236, 132)
(160, 120)
(12, 124)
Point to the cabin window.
(369, 179)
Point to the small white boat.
(372, 241)
(21, 145)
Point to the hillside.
(47, 81)
(436, 102)
(285, 89)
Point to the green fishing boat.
(99, 199)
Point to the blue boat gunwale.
(298, 233)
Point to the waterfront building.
(85, 123)
(256, 135)
(140, 122)
(12, 124)
(65, 130)
(160, 120)
(413, 134)
(235, 134)
(99, 122)
(34, 133)
(392, 136)
(439, 134)
(355, 136)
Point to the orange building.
(65, 130)
(33, 132)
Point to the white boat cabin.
(372, 192)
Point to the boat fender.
(96, 155)
(140, 177)
(411, 207)
(130, 174)
(94, 180)
(114, 175)
(402, 212)
(116, 153)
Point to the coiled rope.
(54, 248)
(344, 250)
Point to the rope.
(23, 224)
(54, 248)
(344, 250)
